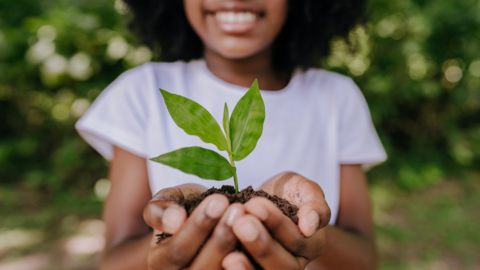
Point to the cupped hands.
(207, 239)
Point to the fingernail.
(247, 232)
(172, 219)
(215, 209)
(237, 266)
(231, 216)
(313, 222)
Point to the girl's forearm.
(130, 255)
(346, 250)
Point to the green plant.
(242, 132)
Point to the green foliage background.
(414, 66)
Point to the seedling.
(242, 131)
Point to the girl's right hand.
(212, 218)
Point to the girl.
(317, 125)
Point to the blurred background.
(418, 65)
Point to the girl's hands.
(272, 239)
(181, 250)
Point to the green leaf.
(204, 163)
(246, 123)
(226, 126)
(194, 119)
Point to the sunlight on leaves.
(19, 238)
(117, 48)
(102, 188)
(359, 62)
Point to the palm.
(296, 189)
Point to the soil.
(243, 196)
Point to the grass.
(436, 228)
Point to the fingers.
(163, 214)
(237, 261)
(312, 201)
(308, 196)
(179, 250)
(313, 216)
(262, 247)
(221, 242)
(287, 233)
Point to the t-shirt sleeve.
(358, 142)
(118, 117)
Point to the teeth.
(235, 17)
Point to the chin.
(237, 50)
(235, 54)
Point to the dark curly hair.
(303, 41)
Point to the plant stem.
(235, 180)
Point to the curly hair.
(303, 41)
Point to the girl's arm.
(350, 244)
(127, 235)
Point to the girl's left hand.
(271, 238)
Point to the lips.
(235, 22)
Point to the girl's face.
(236, 29)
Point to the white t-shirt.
(317, 122)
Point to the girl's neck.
(244, 71)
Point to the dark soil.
(243, 196)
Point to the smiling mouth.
(236, 17)
(236, 22)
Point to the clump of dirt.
(243, 196)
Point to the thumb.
(313, 216)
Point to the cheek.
(276, 15)
(194, 13)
